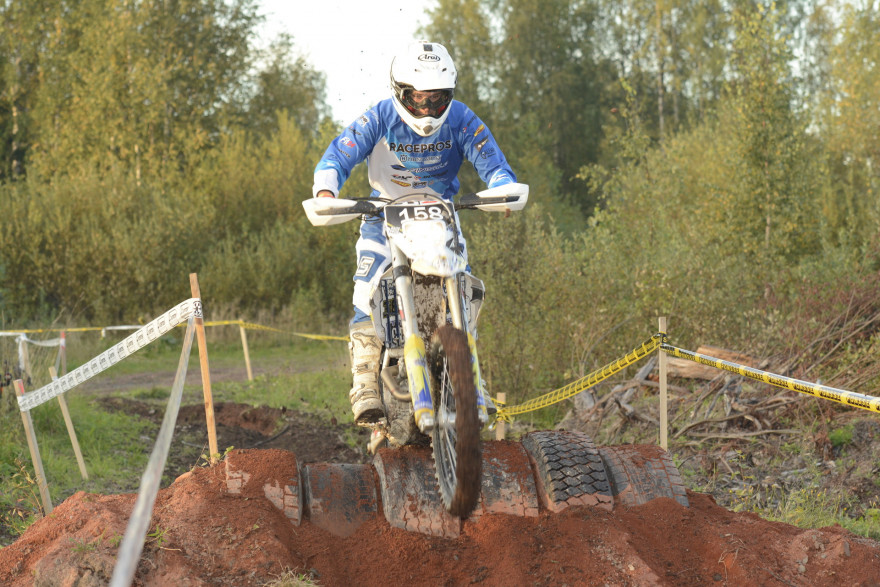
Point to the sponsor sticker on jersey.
(419, 184)
(487, 153)
(346, 142)
(421, 170)
(401, 183)
(422, 160)
(479, 146)
(365, 263)
(480, 129)
(363, 121)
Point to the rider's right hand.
(325, 194)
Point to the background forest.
(713, 161)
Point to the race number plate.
(397, 214)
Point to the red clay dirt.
(201, 534)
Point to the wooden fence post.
(499, 424)
(664, 416)
(247, 356)
(70, 431)
(25, 357)
(35, 452)
(206, 375)
(63, 352)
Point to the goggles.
(432, 103)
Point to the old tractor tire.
(641, 473)
(568, 469)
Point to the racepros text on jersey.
(421, 148)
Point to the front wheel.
(456, 434)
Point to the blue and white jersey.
(403, 162)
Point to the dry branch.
(688, 369)
(733, 436)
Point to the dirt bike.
(424, 309)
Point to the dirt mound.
(202, 535)
(312, 438)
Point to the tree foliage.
(147, 85)
(537, 83)
(142, 137)
(286, 85)
(713, 161)
(770, 203)
(848, 112)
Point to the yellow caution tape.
(251, 326)
(248, 325)
(658, 341)
(39, 330)
(850, 398)
(574, 388)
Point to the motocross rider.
(413, 142)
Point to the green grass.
(291, 579)
(805, 506)
(224, 349)
(318, 392)
(312, 376)
(115, 448)
(814, 508)
(841, 436)
(307, 375)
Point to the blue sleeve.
(351, 147)
(484, 153)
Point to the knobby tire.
(457, 451)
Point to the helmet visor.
(431, 103)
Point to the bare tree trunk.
(15, 163)
(660, 59)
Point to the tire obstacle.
(545, 470)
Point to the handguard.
(328, 211)
(511, 197)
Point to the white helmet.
(423, 67)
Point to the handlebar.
(366, 206)
(472, 201)
(327, 211)
(369, 207)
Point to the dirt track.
(204, 536)
(209, 537)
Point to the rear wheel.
(456, 435)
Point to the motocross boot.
(366, 351)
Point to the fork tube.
(414, 354)
(403, 283)
(453, 297)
